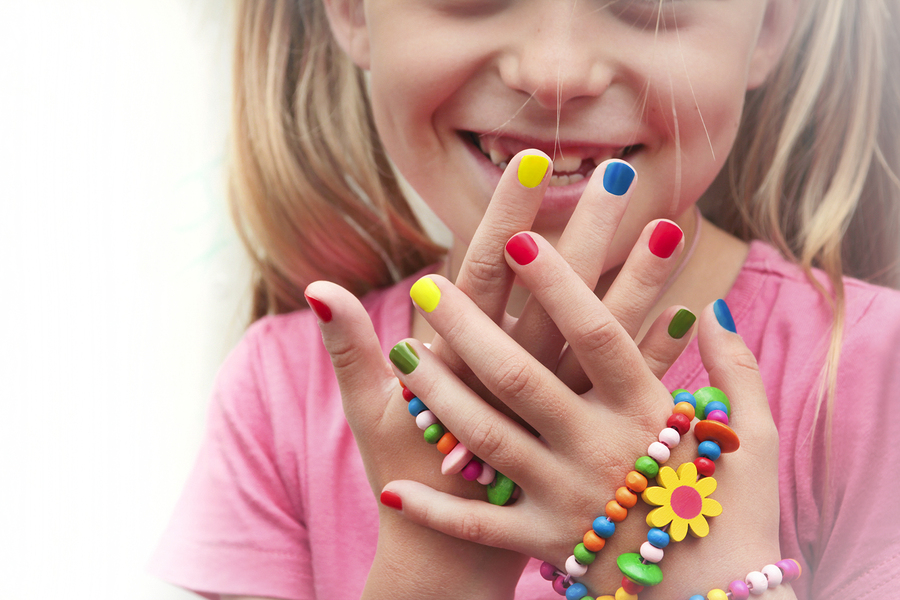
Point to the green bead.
(642, 574)
(583, 555)
(500, 490)
(434, 433)
(706, 395)
(647, 467)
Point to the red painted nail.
(320, 308)
(665, 239)
(391, 500)
(522, 248)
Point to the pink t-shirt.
(278, 503)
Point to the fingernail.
(391, 500)
(665, 239)
(681, 323)
(532, 169)
(404, 357)
(617, 178)
(426, 294)
(522, 248)
(319, 308)
(723, 315)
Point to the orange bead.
(615, 511)
(447, 443)
(626, 497)
(593, 542)
(719, 433)
(636, 482)
(684, 408)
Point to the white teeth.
(560, 180)
(566, 165)
(498, 157)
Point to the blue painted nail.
(723, 315)
(618, 177)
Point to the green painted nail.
(681, 323)
(404, 358)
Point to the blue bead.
(696, 597)
(576, 591)
(604, 527)
(710, 450)
(686, 397)
(714, 405)
(658, 538)
(416, 406)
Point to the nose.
(556, 62)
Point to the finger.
(365, 378)
(635, 289)
(522, 383)
(584, 244)
(666, 339)
(482, 430)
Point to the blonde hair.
(813, 171)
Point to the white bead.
(575, 568)
(487, 476)
(757, 583)
(670, 437)
(426, 419)
(658, 452)
(651, 552)
(773, 574)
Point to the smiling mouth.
(566, 169)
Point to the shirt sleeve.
(236, 529)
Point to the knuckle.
(513, 378)
(486, 439)
(482, 275)
(471, 528)
(345, 355)
(595, 338)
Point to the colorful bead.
(658, 452)
(647, 467)
(679, 396)
(416, 406)
(773, 574)
(575, 568)
(447, 443)
(634, 569)
(686, 409)
(756, 583)
(472, 470)
(594, 542)
(407, 395)
(709, 449)
(500, 490)
(739, 590)
(717, 594)
(615, 512)
(705, 467)
(717, 415)
(705, 395)
(631, 587)
(558, 585)
(670, 437)
(651, 552)
(679, 423)
(434, 433)
(576, 591)
(790, 568)
(658, 537)
(714, 405)
(425, 419)
(487, 474)
(720, 433)
(606, 598)
(626, 497)
(603, 527)
(456, 460)
(636, 482)
(548, 571)
(621, 594)
(583, 555)
(696, 597)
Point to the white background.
(122, 282)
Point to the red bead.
(705, 467)
(631, 587)
(408, 395)
(679, 423)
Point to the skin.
(568, 79)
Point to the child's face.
(586, 79)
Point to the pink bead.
(472, 470)
(487, 474)
(575, 568)
(670, 437)
(426, 419)
(658, 452)
(458, 458)
(548, 571)
(718, 415)
(773, 574)
(651, 552)
(739, 590)
(756, 583)
(558, 586)
(790, 568)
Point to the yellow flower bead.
(716, 595)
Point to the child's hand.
(589, 442)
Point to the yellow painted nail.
(426, 294)
(532, 169)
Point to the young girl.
(779, 118)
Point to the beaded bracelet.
(682, 501)
(756, 582)
(501, 490)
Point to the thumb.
(366, 380)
